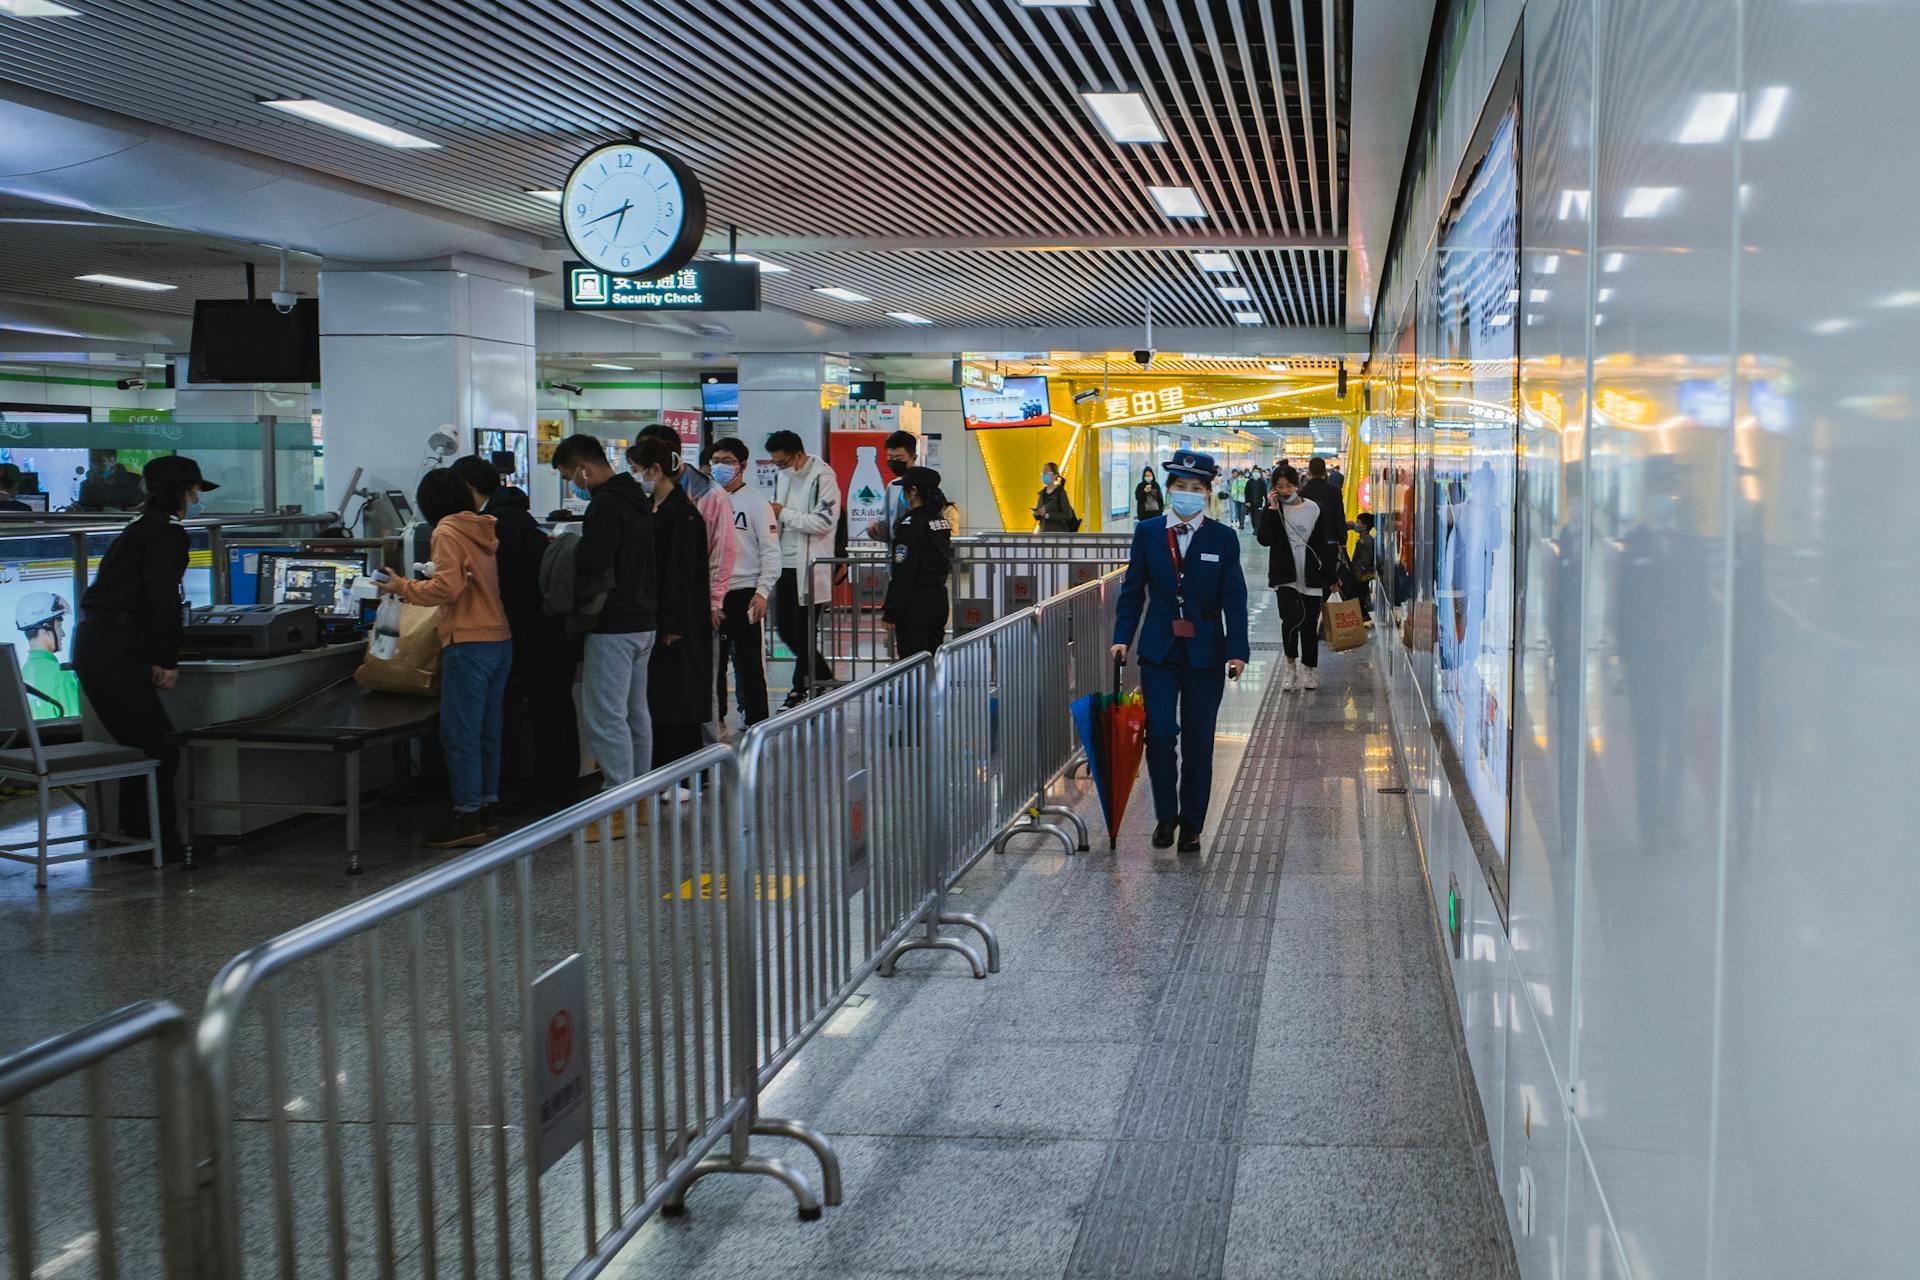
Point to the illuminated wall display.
(698, 286)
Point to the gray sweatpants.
(613, 703)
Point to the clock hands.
(622, 211)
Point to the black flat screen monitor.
(241, 341)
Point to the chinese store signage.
(698, 286)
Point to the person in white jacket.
(756, 575)
(807, 506)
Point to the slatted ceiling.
(855, 118)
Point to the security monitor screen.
(325, 582)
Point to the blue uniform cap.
(1191, 462)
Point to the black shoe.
(464, 830)
(490, 819)
(794, 699)
(1163, 835)
(1189, 839)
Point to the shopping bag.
(1345, 627)
(415, 665)
(1416, 632)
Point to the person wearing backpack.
(1053, 509)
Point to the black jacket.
(1333, 509)
(618, 535)
(922, 558)
(1323, 550)
(680, 675)
(522, 545)
(1055, 513)
(1142, 510)
(137, 591)
(1256, 492)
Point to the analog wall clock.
(632, 211)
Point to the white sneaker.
(1309, 678)
(1286, 675)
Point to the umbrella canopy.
(1113, 729)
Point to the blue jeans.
(473, 693)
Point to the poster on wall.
(686, 424)
(1475, 380)
(1119, 480)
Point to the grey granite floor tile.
(1038, 1005)
(1358, 1014)
(1327, 1095)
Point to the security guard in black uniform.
(127, 647)
(916, 604)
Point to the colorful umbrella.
(1113, 729)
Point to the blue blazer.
(1216, 595)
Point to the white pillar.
(781, 392)
(406, 348)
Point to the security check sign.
(698, 286)
(560, 1059)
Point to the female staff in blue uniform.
(1186, 569)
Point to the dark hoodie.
(522, 544)
(618, 535)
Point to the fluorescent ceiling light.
(154, 360)
(1248, 317)
(347, 122)
(1614, 261)
(1711, 118)
(844, 295)
(1603, 295)
(1125, 117)
(1536, 295)
(1575, 202)
(1766, 113)
(1234, 293)
(544, 195)
(1904, 298)
(762, 263)
(1502, 320)
(908, 317)
(1549, 264)
(623, 368)
(1276, 366)
(1836, 325)
(1177, 202)
(11, 327)
(1513, 295)
(1215, 262)
(37, 9)
(1648, 202)
(128, 282)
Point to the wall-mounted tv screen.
(241, 341)
(720, 399)
(1020, 402)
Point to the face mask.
(194, 509)
(581, 491)
(898, 467)
(723, 474)
(1186, 503)
(646, 485)
(1046, 477)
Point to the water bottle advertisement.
(855, 459)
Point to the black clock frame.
(693, 227)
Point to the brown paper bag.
(415, 665)
(1344, 627)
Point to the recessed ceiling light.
(1549, 264)
(1502, 320)
(1536, 295)
(844, 295)
(37, 9)
(1177, 202)
(1603, 295)
(1248, 317)
(1234, 293)
(1648, 202)
(128, 282)
(347, 122)
(544, 195)
(1575, 202)
(908, 317)
(1836, 325)
(1125, 117)
(762, 263)
(1711, 118)
(1614, 261)
(1215, 262)
(1904, 298)
(1766, 113)
(623, 368)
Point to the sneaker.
(463, 831)
(1309, 678)
(613, 828)
(1287, 674)
(490, 819)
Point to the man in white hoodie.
(756, 576)
(807, 505)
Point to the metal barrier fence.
(516, 1012)
(65, 1123)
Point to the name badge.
(1208, 555)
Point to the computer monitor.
(37, 501)
(325, 582)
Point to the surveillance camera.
(1091, 393)
(285, 301)
(571, 388)
(1143, 356)
(132, 384)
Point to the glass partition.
(260, 465)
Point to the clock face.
(633, 212)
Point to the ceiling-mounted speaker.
(1343, 381)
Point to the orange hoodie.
(466, 581)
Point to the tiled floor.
(1187, 1067)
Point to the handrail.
(42, 1063)
(16, 524)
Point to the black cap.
(175, 472)
(922, 478)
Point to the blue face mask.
(583, 493)
(1046, 477)
(194, 509)
(723, 474)
(1186, 503)
(646, 485)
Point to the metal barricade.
(144, 1121)
(847, 628)
(539, 1021)
(999, 574)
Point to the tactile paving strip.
(1164, 1199)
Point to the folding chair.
(64, 765)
